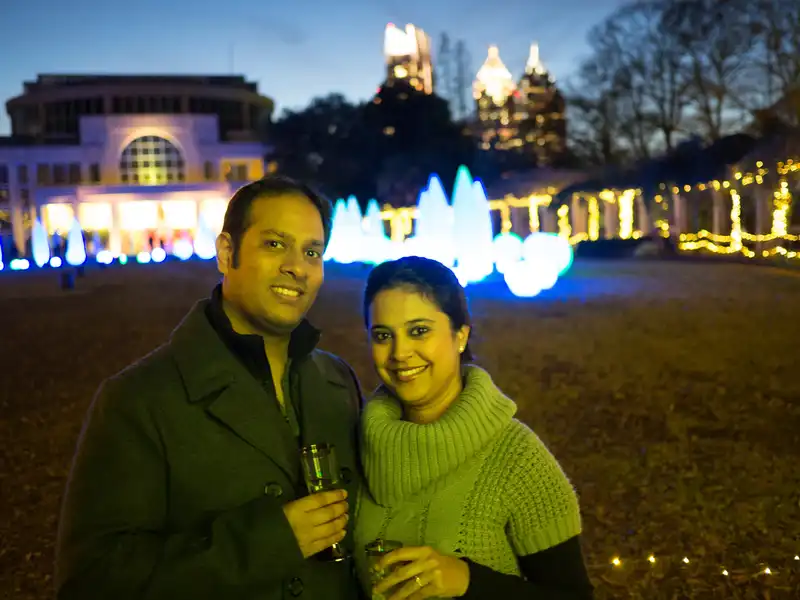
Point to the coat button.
(295, 587)
(347, 475)
(273, 489)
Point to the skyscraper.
(408, 57)
(524, 117)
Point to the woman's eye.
(418, 331)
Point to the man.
(187, 480)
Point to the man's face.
(279, 270)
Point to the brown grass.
(669, 392)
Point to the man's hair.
(237, 215)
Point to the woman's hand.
(421, 572)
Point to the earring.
(461, 350)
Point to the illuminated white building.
(132, 180)
(408, 57)
(524, 117)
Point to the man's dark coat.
(181, 471)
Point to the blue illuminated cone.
(40, 244)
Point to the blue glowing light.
(76, 246)
(55, 262)
(550, 247)
(158, 255)
(472, 224)
(205, 241)
(40, 244)
(123, 259)
(104, 257)
(19, 264)
(376, 244)
(143, 257)
(347, 243)
(507, 251)
(1, 256)
(182, 248)
(433, 237)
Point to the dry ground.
(669, 391)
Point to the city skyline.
(303, 57)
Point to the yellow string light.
(564, 227)
(790, 567)
(625, 202)
(594, 219)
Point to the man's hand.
(318, 521)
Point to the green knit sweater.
(476, 483)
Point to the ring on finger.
(419, 581)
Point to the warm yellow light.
(138, 215)
(767, 571)
(594, 219)
(686, 560)
(179, 214)
(616, 561)
(564, 228)
(95, 216)
(652, 559)
(725, 572)
(736, 221)
(58, 217)
(626, 214)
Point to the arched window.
(151, 160)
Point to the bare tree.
(594, 116)
(720, 49)
(776, 26)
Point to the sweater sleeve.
(558, 573)
(543, 505)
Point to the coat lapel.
(217, 382)
(245, 409)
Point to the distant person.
(187, 480)
(482, 508)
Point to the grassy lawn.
(669, 392)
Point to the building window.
(94, 173)
(22, 174)
(59, 174)
(43, 174)
(237, 173)
(75, 173)
(151, 160)
(208, 171)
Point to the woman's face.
(415, 350)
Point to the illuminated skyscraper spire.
(493, 78)
(534, 64)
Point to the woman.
(482, 509)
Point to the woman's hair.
(432, 279)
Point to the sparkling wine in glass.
(321, 473)
(376, 550)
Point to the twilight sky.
(294, 50)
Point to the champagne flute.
(376, 550)
(321, 473)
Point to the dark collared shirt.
(249, 350)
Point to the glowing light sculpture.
(1, 257)
(472, 225)
(182, 248)
(204, 241)
(434, 224)
(507, 251)
(377, 246)
(76, 245)
(347, 233)
(40, 244)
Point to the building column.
(718, 214)
(577, 213)
(610, 220)
(17, 218)
(763, 199)
(678, 214)
(547, 220)
(643, 216)
(114, 232)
